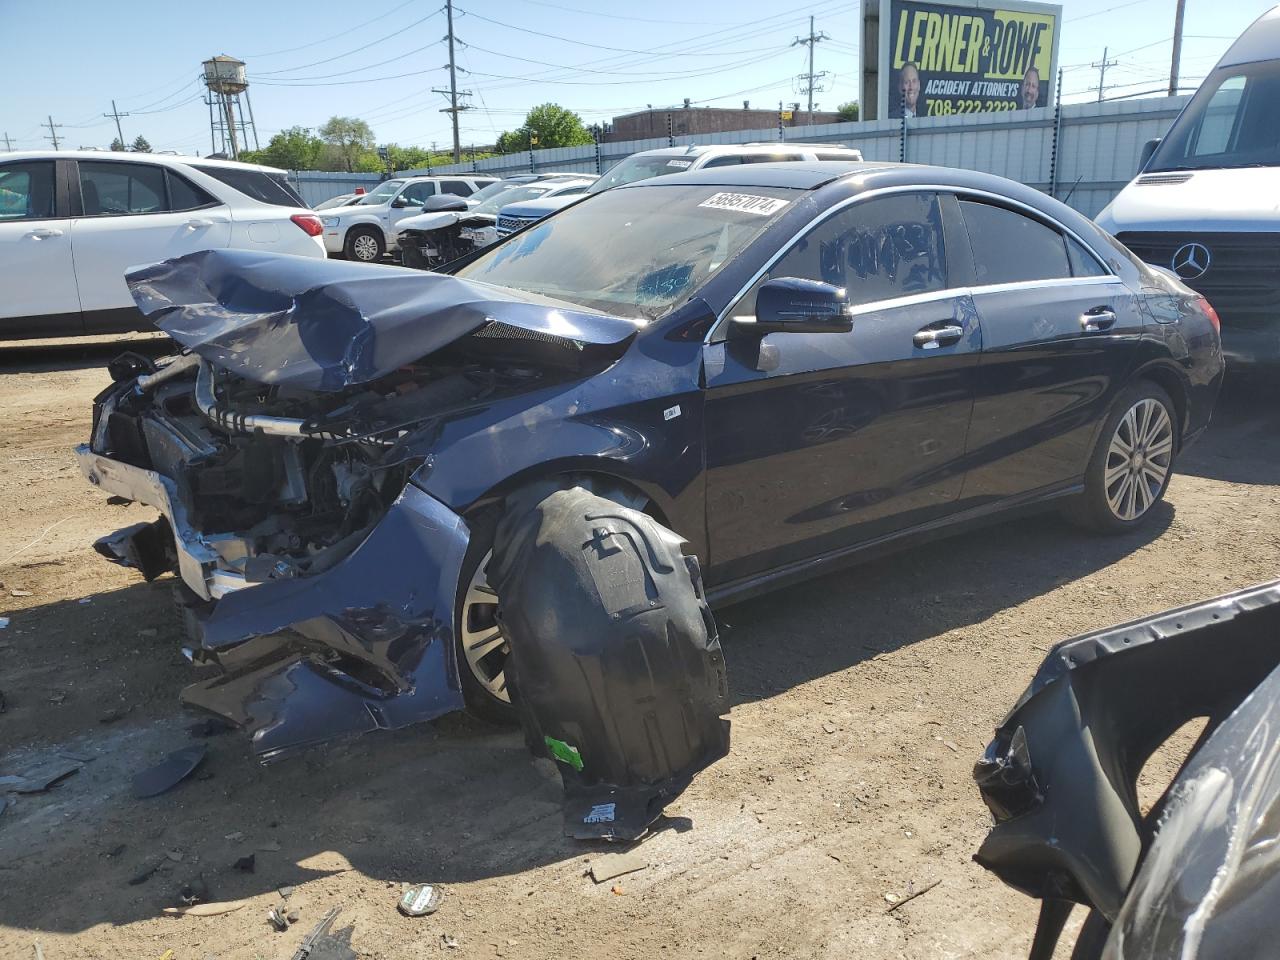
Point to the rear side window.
(732, 160)
(185, 195)
(1083, 263)
(255, 184)
(877, 250)
(772, 157)
(845, 155)
(1011, 248)
(458, 187)
(26, 191)
(121, 189)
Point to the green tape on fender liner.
(564, 753)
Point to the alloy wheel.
(365, 247)
(1138, 459)
(484, 647)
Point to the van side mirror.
(1148, 150)
(444, 203)
(796, 305)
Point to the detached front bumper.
(367, 644)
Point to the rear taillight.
(309, 223)
(1212, 314)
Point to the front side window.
(1011, 248)
(120, 189)
(382, 193)
(1232, 121)
(636, 252)
(416, 194)
(878, 249)
(26, 191)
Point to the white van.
(1206, 204)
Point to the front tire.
(1132, 462)
(364, 244)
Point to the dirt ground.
(860, 702)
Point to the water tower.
(225, 79)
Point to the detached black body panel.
(1060, 776)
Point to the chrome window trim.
(975, 192)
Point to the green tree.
(349, 139)
(549, 125)
(140, 145)
(117, 145)
(296, 148)
(848, 112)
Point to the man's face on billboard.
(909, 86)
(1030, 88)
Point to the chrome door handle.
(196, 223)
(930, 338)
(44, 233)
(1097, 320)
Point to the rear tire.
(364, 244)
(1132, 462)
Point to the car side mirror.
(400, 203)
(1148, 150)
(444, 203)
(796, 305)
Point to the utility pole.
(7, 145)
(453, 93)
(53, 131)
(810, 79)
(117, 115)
(1177, 48)
(1101, 67)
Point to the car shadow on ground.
(39, 356)
(463, 797)
(1242, 444)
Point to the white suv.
(72, 223)
(367, 229)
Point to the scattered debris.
(207, 909)
(174, 855)
(144, 874)
(38, 949)
(285, 892)
(616, 890)
(420, 900)
(169, 772)
(246, 864)
(277, 920)
(40, 778)
(910, 895)
(448, 941)
(209, 727)
(19, 593)
(116, 850)
(197, 891)
(319, 936)
(115, 713)
(168, 954)
(234, 837)
(829, 728)
(4, 623)
(271, 846)
(611, 865)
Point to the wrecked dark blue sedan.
(789, 366)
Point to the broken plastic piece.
(277, 920)
(43, 777)
(615, 666)
(169, 772)
(320, 942)
(207, 909)
(420, 900)
(612, 865)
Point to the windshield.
(641, 167)
(1232, 121)
(633, 253)
(529, 191)
(492, 190)
(381, 194)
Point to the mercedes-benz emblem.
(1190, 261)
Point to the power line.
(344, 32)
(279, 81)
(616, 16)
(399, 31)
(1101, 66)
(810, 79)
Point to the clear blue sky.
(379, 59)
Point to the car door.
(818, 441)
(1060, 334)
(37, 277)
(133, 213)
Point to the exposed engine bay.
(429, 249)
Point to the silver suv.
(367, 229)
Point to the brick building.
(690, 120)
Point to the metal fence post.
(1057, 134)
(902, 144)
(595, 137)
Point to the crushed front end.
(281, 453)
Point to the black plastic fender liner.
(615, 669)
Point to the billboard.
(941, 58)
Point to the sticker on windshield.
(744, 202)
(680, 163)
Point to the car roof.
(737, 149)
(798, 175)
(168, 159)
(1261, 41)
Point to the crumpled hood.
(326, 325)
(431, 221)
